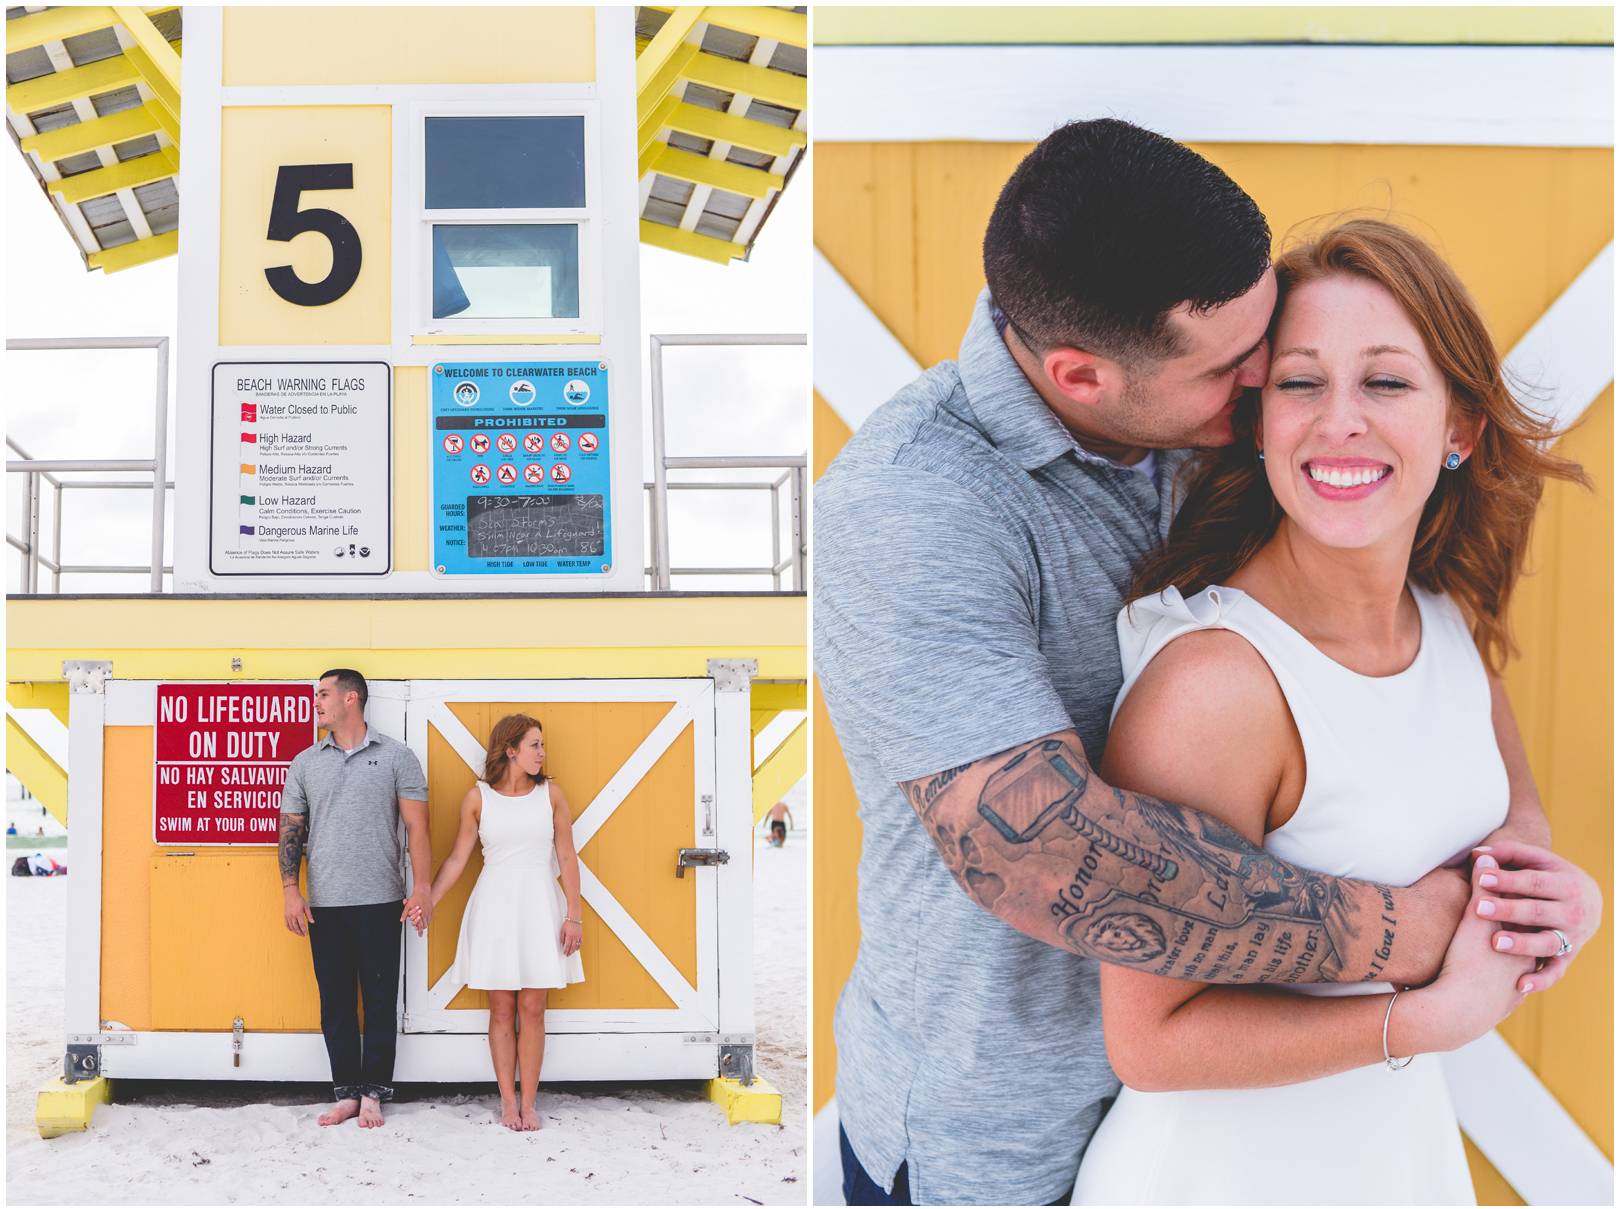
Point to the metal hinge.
(236, 1042)
(736, 1062)
(733, 675)
(81, 1063)
(86, 675)
(101, 1038)
(691, 858)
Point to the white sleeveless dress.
(1402, 775)
(511, 931)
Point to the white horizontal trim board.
(1566, 359)
(1534, 96)
(858, 362)
(1524, 1132)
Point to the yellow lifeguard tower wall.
(902, 223)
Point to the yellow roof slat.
(761, 21)
(87, 136)
(47, 92)
(690, 243)
(727, 75)
(128, 175)
(738, 131)
(163, 57)
(663, 79)
(55, 24)
(127, 256)
(169, 121)
(669, 39)
(699, 170)
(155, 78)
(655, 122)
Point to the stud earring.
(1452, 460)
(1261, 455)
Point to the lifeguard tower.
(408, 439)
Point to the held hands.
(1475, 991)
(1524, 887)
(295, 910)
(419, 909)
(573, 935)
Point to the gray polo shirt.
(971, 560)
(352, 799)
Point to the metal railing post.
(660, 477)
(56, 541)
(160, 464)
(32, 579)
(800, 546)
(775, 535)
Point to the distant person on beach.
(40, 831)
(342, 804)
(781, 821)
(11, 829)
(521, 933)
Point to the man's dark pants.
(349, 945)
(860, 1189)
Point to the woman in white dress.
(1353, 554)
(520, 934)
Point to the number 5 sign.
(305, 225)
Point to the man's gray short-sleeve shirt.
(352, 799)
(971, 560)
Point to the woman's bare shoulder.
(1205, 725)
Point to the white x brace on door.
(691, 705)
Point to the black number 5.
(287, 220)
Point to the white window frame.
(421, 220)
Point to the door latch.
(236, 1042)
(691, 858)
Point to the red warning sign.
(480, 472)
(587, 442)
(480, 443)
(560, 472)
(534, 473)
(453, 443)
(560, 442)
(222, 754)
(534, 443)
(506, 442)
(506, 472)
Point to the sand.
(188, 1143)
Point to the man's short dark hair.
(348, 681)
(1105, 228)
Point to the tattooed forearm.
(290, 847)
(1034, 837)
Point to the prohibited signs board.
(520, 500)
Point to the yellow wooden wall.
(903, 224)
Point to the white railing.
(44, 471)
(793, 478)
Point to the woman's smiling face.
(1355, 416)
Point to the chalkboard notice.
(535, 526)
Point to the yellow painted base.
(757, 1102)
(66, 1107)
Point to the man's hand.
(419, 909)
(296, 911)
(1441, 898)
(1542, 891)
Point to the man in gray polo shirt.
(343, 802)
(974, 542)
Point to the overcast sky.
(100, 404)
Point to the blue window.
(506, 271)
(505, 163)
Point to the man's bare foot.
(509, 1116)
(344, 1110)
(370, 1112)
(531, 1119)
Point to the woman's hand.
(572, 937)
(1476, 990)
(1524, 887)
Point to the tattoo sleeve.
(1035, 838)
(290, 846)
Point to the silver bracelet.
(580, 922)
(1393, 1063)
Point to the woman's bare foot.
(342, 1112)
(531, 1119)
(509, 1116)
(370, 1112)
